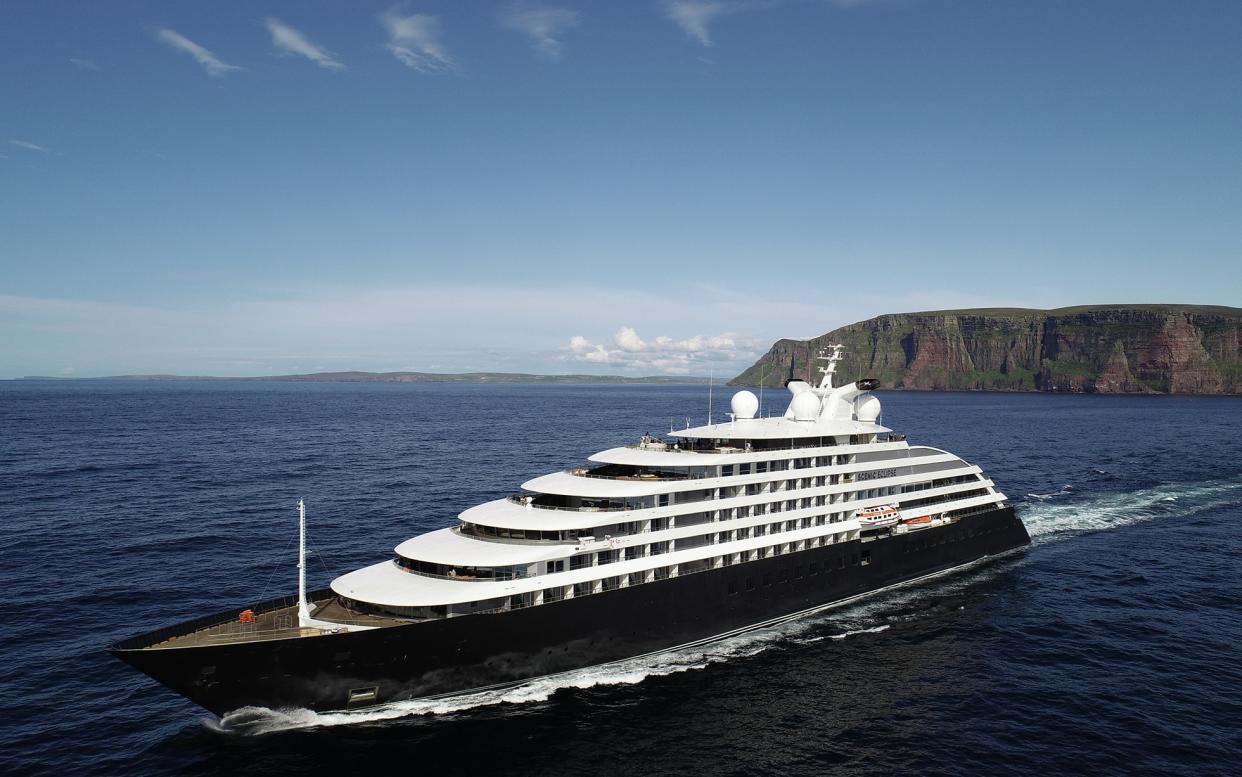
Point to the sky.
(645, 187)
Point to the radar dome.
(867, 408)
(805, 406)
(744, 404)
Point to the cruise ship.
(666, 543)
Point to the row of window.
(753, 489)
(613, 555)
(735, 585)
(579, 561)
(600, 585)
(569, 502)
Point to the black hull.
(454, 655)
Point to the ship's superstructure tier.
(702, 498)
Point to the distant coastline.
(394, 377)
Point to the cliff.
(1104, 349)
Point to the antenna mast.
(832, 359)
(303, 608)
(763, 377)
(711, 376)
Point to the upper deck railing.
(700, 445)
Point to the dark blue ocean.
(1112, 646)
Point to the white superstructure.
(706, 497)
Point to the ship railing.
(583, 472)
(678, 447)
(467, 578)
(526, 500)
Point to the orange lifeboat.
(922, 520)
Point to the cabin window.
(750, 584)
(726, 470)
(581, 589)
(866, 557)
(767, 580)
(556, 566)
(732, 587)
(553, 594)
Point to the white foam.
(261, 720)
(1047, 521)
(872, 630)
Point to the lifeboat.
(877, 515)
(921, 521)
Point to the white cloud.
(292, 41)
(630, 352)
(628, 340)
(84, 64)
(26, 144)
(415, 41)
(542, 25)
(694, 16)
(210, 62)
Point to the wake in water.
(260, 720)
(1046, 521)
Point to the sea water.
(1109, 646)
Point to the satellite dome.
(867, 408)
(744, 404)
(805, 406)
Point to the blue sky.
(638, 187)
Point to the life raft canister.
(246, 616)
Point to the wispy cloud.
(84, 64)
(415, 41)
(694, 16)
(210, 62)
(542, 25)
(26, 144)
(292, 41)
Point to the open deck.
(280, 623)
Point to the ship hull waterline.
(463, 654)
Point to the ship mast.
(304, 618)
(832, 359)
